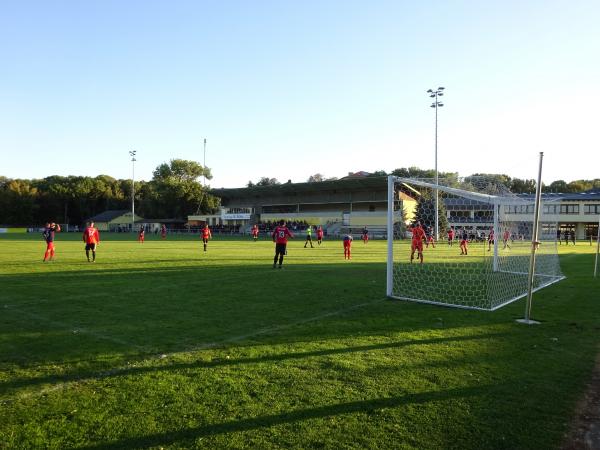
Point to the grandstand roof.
(109, 215)
(160, 221)
(347, 184)
(590, 195)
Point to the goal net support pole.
(597, 249)
(534, 246)
(496, 235)
(390, 237)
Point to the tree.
(19, 202)
(488, 183)
(557, 186)
(176, 191)
(447, 178)
(316, 178)
(266, 181)
(519, 186)
(378, 173)
(579, 186)
(425, 212)
(181, 170)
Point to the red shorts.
(50, 246)
(347, 244)
(463, 242)
(417, 245)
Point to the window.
(569, 209)
(551, 209)
(459, 214)
(519, 209)
(591, 209)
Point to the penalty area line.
(131, 366)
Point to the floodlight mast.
(133, 160)
(436, 104)
(204, 166)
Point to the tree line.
(514, 185)
(173, 192)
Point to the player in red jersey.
(48, 234)
(418, 234)
(429, 237)
(505, 238)
(280, 237)
(319, 235)
(163, 231)
(141, 234)
(365, 235)
(451, 236)
(91, 237)
(348, 246)
(464, 242)
(254, 232)
(206, 235)
(490, 239)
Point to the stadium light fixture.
(204, 166)
(436, 104)
(133, 160)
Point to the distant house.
(114, 220)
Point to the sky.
(285, 90)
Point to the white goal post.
(481, 259)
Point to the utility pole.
(133, 160)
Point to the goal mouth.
(466, 244)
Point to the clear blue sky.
(289, 89)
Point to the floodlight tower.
(436, 104)
(133, 160)
(204, 166)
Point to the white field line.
(204, 346)
(275, 328)
(74, 330)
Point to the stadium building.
(351, 203)
(576, 213)
(340, 206)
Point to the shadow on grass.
(279, 357)
(137, 309)
(253, 423)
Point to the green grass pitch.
(162, 345)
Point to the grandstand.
(340, 206)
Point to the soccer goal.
(476, 245)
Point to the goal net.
(476, 243)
